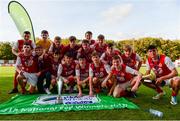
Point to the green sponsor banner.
(21, 18)
(21, 104)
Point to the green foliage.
(167, 47)
(5, 51)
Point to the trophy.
(59, 83)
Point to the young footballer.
(88, 36)
(82, 74)
(55, 61)
(166, 74)
(106, 57)
(100, 45)
(72, 47)
(44, 65)
(56, 46)
(27, 68)
(66, 71)
(130, 58)
(122, 78)
(86, 51)
(98, 71)
(17, 50)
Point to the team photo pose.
(27, 68)
(166, 74)
(56, 46)
(98, 71)
(44, 74)
(44, 41)
(72, 47)
(106, 57)
(100, 45)
(86, 51)
(82, 74)
(55, 61)
(88, 36)
(121, 77)
(66, 72)
(17, 49)
(131, 58)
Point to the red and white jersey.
(124, 74)
(100, 72)
(162, 67)
(44, 64)
(132, 60)
(108, 57)
(28, 63)
(83, 73)
(59, 49)
(65, 70)
(19, 45)
(54, 67)
(86, 54)
(91, 42)
(99, 49)
(73, 51)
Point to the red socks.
(158, 89)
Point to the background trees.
(168, 47)
(5, 51)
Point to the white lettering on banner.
(51, 99)
(60, 108)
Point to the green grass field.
(144, 101)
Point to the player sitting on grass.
(165, 71)
(122, 78)
(27, 67)
(82, 74)
(66, 71)
(98, 71)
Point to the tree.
(5, 51)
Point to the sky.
(116, 19)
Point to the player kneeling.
(123, 78)
(98, 71)
(82, 74)
(26, 66)
(66, 72)
(55, 61)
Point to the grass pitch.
(144, 101)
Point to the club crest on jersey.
(101, 69)
(160, 65)
(29, 62)
(122, 74)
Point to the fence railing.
(12, 63)
(7, 62)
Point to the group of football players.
(92, 65)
